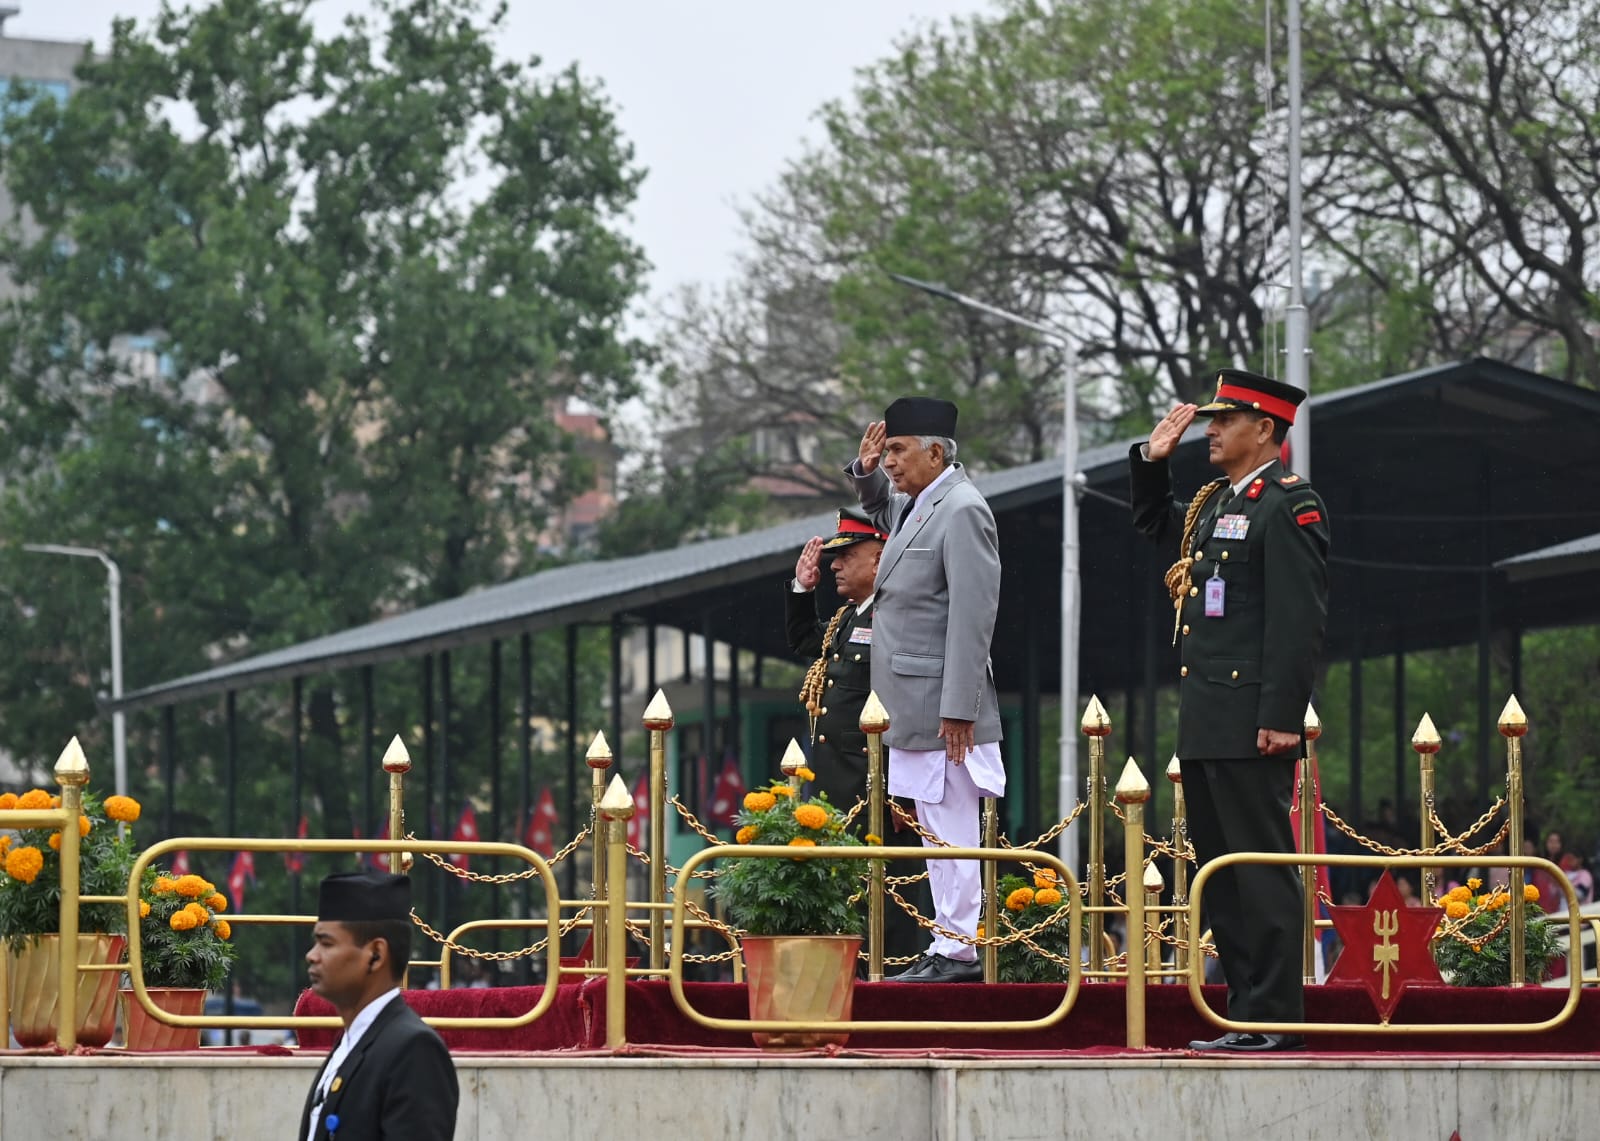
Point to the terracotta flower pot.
(35, 991)
(800, 978)
(141, 1031)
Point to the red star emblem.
(1385, 946)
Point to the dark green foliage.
(1490, 964)
(197, 957)
(1020, 963)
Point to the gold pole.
(1309, 810)
(1513, 726)
(874, 723)
(991, 889)
(615, 810)
(72, 773)
(1096, 726)
(1426, 743)
(1153, 885)
(1132, 792)
(1180, 866)
(657, 720)
(397, 763)
(598, 758)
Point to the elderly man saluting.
(936, 593)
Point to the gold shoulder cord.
(811, 688)
(1178, 578)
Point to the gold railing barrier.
(1574, 949)
(775, 852)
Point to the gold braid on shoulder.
(1178, 578)
(811, 688)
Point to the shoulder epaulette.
(1290, 480)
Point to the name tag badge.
(861, 635)
(1232, 527)
(1216, 591)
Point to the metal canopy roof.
(1431, 479)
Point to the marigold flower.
(55, 801)
(217, 902)
(980, 931)
(1455, 909)
(1047, 897)
(83, 825)
(201, 915)
(8, 800)
(782, 790)
(759, 801)
(1019, 899)
(34, 798)
(55, 841)
(1474, 882)
(1461, 893)
(805, 774)
(123, 808)
(182, 921)
(190, 887)
(5, 844)
(223, 930)
(802, 842)
(24, 863)
(1477, 948)
(873, 840)
(746, 834)
(1044, 877)
(144, 909)
(1530, 893)
(162, 885)
(811, 816)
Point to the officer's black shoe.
(1213, 1043)
(1263, 1043)
(933, 968)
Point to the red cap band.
(852, 527)
(1282, 409)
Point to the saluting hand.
(808, 568)
(1166, 434)
(872, 441)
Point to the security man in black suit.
(836, 689)
(390, 1077)
(1250, 590)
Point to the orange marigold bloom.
(802, 842)
(782, 790)
(123, 808)
(980, 931)
(144, 909)
(873, 840)
(1455, 909)
(1019, 899)
(182, 921)
(811, 816)
(1474, 882)
(759, 801)
(217, 902)
(55, 841)
(201, 915)
(222, 929)
(1460, 893)
(189, 886)
(83, 825)
(24, 863)
(1048, 896)
(162, 885)
(1530, 893)
(34, 798)
(746, 834)
(1044, 877)
(55, 801)
(8, 800)
(5, 844)
(805, 774)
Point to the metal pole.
(1296, 321)
(658, 719)
(1514, 726)
(1133, 792)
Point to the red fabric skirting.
(1096, 1024)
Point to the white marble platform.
(1160, 1098)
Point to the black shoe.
(1214, 1043)
(911, 973)
(1262, 1043)
(938, 969)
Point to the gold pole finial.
(658, 714)
(1426, 738)
(1175, 770)
(72, 767)
(617, 803)
(1132, 788)
(874, 717)
(599, 754)
(794, 759)
(1313, 723)
(1152, 878)
(1513, 722)
(1096, 721)
(395, 758)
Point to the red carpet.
(1096, 1024)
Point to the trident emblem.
(1385, 955)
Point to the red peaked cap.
(1237, 389)
(854, 527)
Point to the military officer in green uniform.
(1250, 591)
(836, 688)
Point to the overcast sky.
(715, 95)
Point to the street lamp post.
(119, 725)
(1071, 583)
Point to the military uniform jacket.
(839, 748)
(1253, 667)
(398, 1084)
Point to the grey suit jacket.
(938, 588)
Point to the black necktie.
(1223, 499)
(905, 514)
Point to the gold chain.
(495, 956)
(506, 877)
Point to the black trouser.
(1256, 910)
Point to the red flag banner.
(727, 796)
(1319, 827)
(296, 861)
(639, 823)
(540, 834)
(467, 831)
(380, 860)
(180, 864)
(242, 871)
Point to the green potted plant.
(30, 917)
(185, 949)
(1037, 910)
(1472, 945)
(800, 919)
